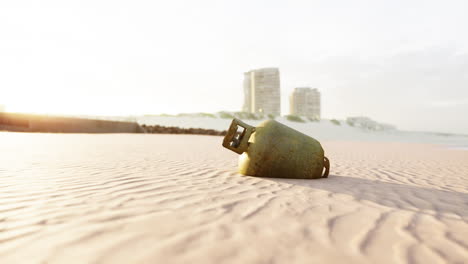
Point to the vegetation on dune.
(246, 115)
(196, 115)
(295, 118)
(207, 115)
(226, 115)
(335, 122)
(158, 115)
(350, 123)
(313, 119)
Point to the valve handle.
(235, 140)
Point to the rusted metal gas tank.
(274, 150)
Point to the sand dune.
(321, 130)
(178, 199)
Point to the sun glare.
(96, 106)
(37, 106)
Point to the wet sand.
(123, 198)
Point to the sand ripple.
(178, 199)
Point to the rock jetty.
(157, 129)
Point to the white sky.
(400, 62)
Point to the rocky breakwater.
(157, 129)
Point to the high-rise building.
(305, 101)
(262, 91)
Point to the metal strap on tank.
(327, 167)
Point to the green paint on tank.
(277, 151)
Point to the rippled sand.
(178, 199)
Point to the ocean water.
(459, 148)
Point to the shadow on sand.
(393, 195)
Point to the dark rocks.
(157, 129)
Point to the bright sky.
(400, 62)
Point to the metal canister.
(277, 151)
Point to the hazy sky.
(400, 62)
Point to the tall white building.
(262, 91)
(305, 101)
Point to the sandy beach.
(135, 198)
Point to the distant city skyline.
(305, 101)
(262, 91)
(398, 62)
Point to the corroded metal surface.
(277, 151)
